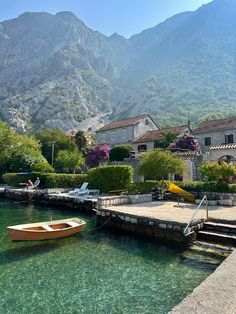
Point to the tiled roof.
(158, 134)
(224, 146)
(216, 125)
(122, 123)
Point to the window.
(207, 141)
(229, 138)
(142, 148)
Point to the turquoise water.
(93, 272)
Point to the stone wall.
(191, 172)
(58, 200)
(149, 145)
(126, 134)
(134, 163)
(108, 201)
(216, 154)
(215, 198)
(217, 138)
(117, 221)
(116, 136)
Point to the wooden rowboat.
(46, 230)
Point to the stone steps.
(214, 249)
(201, 254)
(200, 260)
(220, 227)
(217, 237)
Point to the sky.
(126, 17)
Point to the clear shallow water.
(93, 272)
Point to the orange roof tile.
(158, 134)
(123, 123)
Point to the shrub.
(143, 187)
(48, 180)
(43, 166)
(69, 161)
(214, 171)
(97, 154)
(199, 186)
(110, 177)
(119, 152)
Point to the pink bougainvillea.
(185, 142)
(97, 154)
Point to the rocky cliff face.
(57, 72)
(54, 71)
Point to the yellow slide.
(185, 194)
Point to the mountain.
(57, 72)
(185, 66)
(54, 71)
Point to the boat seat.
(72, 223)
(46, 227)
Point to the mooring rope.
(95, 229)
(3, 236)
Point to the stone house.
(126, 131)
(218, 139)
(147, 141)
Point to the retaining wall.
(145, 226)
(108, 201)
(216, 198)
(58, 200)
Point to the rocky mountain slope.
(57, 72)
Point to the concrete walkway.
(215, 295)
(169, 211)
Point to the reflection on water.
(93, 272)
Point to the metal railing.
(186, 230)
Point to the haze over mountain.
(57, 72)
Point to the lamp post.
(53, 149)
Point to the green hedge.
(110, 178)
(143, 187)
(200, 186)
(48, 180)
(194, 186)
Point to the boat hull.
(39, 231)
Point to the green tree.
(119, 152)
(53, 141)
(84, 141)
(18, 152)
(159, 164)
(69, 161)
(168, 138)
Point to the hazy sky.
(126, 17)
